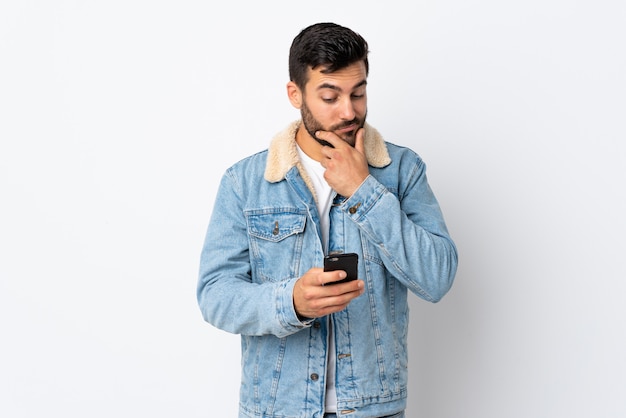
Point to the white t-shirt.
(325, 195)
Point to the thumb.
(359, 141)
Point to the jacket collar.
(282, 154)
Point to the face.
(335, 102)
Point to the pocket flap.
(275, 226)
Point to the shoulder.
(253, 160)
(403, 155)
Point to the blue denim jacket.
(264, 234)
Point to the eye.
(329, 99)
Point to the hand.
(312, 299)
(346, 166)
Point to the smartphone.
(347, 262)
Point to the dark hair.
(325, 44)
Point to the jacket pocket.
(276, 236)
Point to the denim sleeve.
(408, 230)
(227, 296)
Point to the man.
(328, 184)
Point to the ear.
(294, 94)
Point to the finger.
(332, 289)
(344, 293)
(330, 277)
(330, 137)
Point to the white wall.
(117, 119)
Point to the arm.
(232, 300)
(227, 296)
(409, 231)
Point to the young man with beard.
(328, 184)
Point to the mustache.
(355, 121)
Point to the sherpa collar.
(283, 154)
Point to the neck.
(309, 145)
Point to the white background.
(117, 119)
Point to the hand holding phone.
(347, 262)
(313, 297)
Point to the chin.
(350, 139)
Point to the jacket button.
(317, 324)
(354, 208)
(315, 377)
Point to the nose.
(346, 110)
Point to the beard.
(312, 125)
